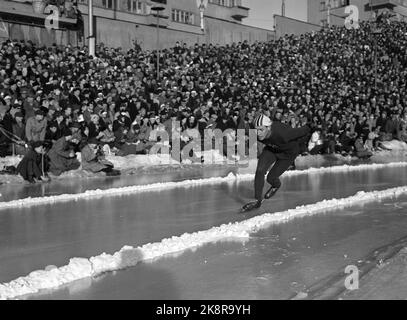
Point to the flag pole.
(91, 31)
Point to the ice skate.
(271, 192)
(251, 205)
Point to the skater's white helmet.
(262, 121)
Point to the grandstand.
(345, 84)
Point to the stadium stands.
(328, 80)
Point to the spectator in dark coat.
(62, 156)
(34, 165)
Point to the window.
(224, 3)
(135, 6)
(333, 4)
(109, 4)
(182, 16)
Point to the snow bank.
(128, 256)
(140, 160)
(28, 202)
(156, 162)
(9, 161)
(395, 145)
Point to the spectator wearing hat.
(60, 123)
(94, 126)
(62, 156)
(34, 165)
(392, 127)
(75, 98)
(15, 107)
(36, 127)
(52, 133)
(134, 143)
(107, 136)
(361, 151)
(403, 132)
(93, 159)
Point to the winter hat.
(39, 112)
(262, 120)
(53, 124)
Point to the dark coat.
(285, 141)
(60, 159)
(92, 162)
(31, 165)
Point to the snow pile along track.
(128, 256)
(28, 202)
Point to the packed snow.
(78, 268)
(155, 163)
(28, 202)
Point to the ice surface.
(79, 268)
(27, 202)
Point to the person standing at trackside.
(282, 146)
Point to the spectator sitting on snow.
(392, 127)
(361, 151)
(369, 143)
(34, 165)
(403, 132)
(36, 127)
(93, 159)
(134, 143)
(62, 156)
(107, 136)
(345, 141)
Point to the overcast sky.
(262, 11)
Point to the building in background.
(323, 13)
(121, 23)
(333, 11)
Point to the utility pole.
(328, 14)
(157, 10)
(283, 8)
(91, 31)
(375, 32)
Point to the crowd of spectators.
(325, 79)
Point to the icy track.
(28, 202)
(128, 256)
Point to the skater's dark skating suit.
(281, 147)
